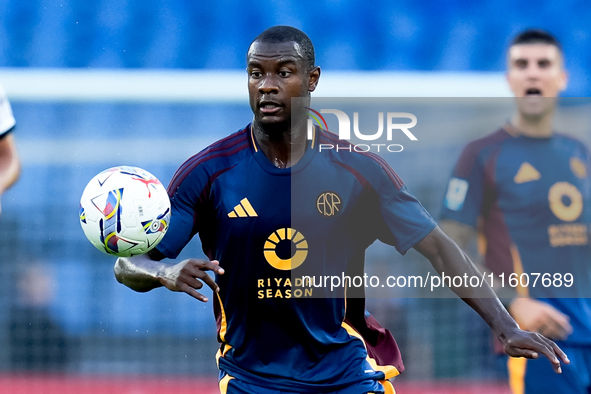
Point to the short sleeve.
(406, 221)
(186, 191)
(7, 121)
(393, 214)
(464, 196)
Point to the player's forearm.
(494, 314)
(9, 163)
(463, 235)
(446, 257)
(139, 273)
(482, 299)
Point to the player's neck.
(534, 127)
(281, 145)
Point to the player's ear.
(314, 77)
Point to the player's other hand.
(538, 316)
(519, 343)
(189, 275)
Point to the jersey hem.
(284, 384)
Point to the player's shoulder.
(361, 163)
(571, 142)
(492, 140)
(217, 157)
(479, 150)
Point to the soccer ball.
(124, 211)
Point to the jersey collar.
(266, 165)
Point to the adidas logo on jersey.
(243, 210)
(526, 173)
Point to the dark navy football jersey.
(268, 227)
(534, 197)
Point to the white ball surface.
(124, 211)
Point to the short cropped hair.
(536, 36)
(277, 34)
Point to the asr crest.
(328, 204)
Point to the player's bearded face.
(536, 76)
(276, 73)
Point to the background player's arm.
(461, 233)
(530, 314)
(446, 256)
(142, 273)
(9, 162)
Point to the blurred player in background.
(526, 189)
(252, 197)
(37, 341)
(9, 162)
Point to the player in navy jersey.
(256, 200)
(9, 162)
(527, 190)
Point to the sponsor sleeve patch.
(456, 194)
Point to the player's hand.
(519, 343)
(189, 275)
(538, 316)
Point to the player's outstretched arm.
(446, 257)
(462, 234)
(142, 273)
(531, 314)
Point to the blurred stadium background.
(100, 83)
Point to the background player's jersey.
(534, 198)
(268, 227)
(7, 121)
